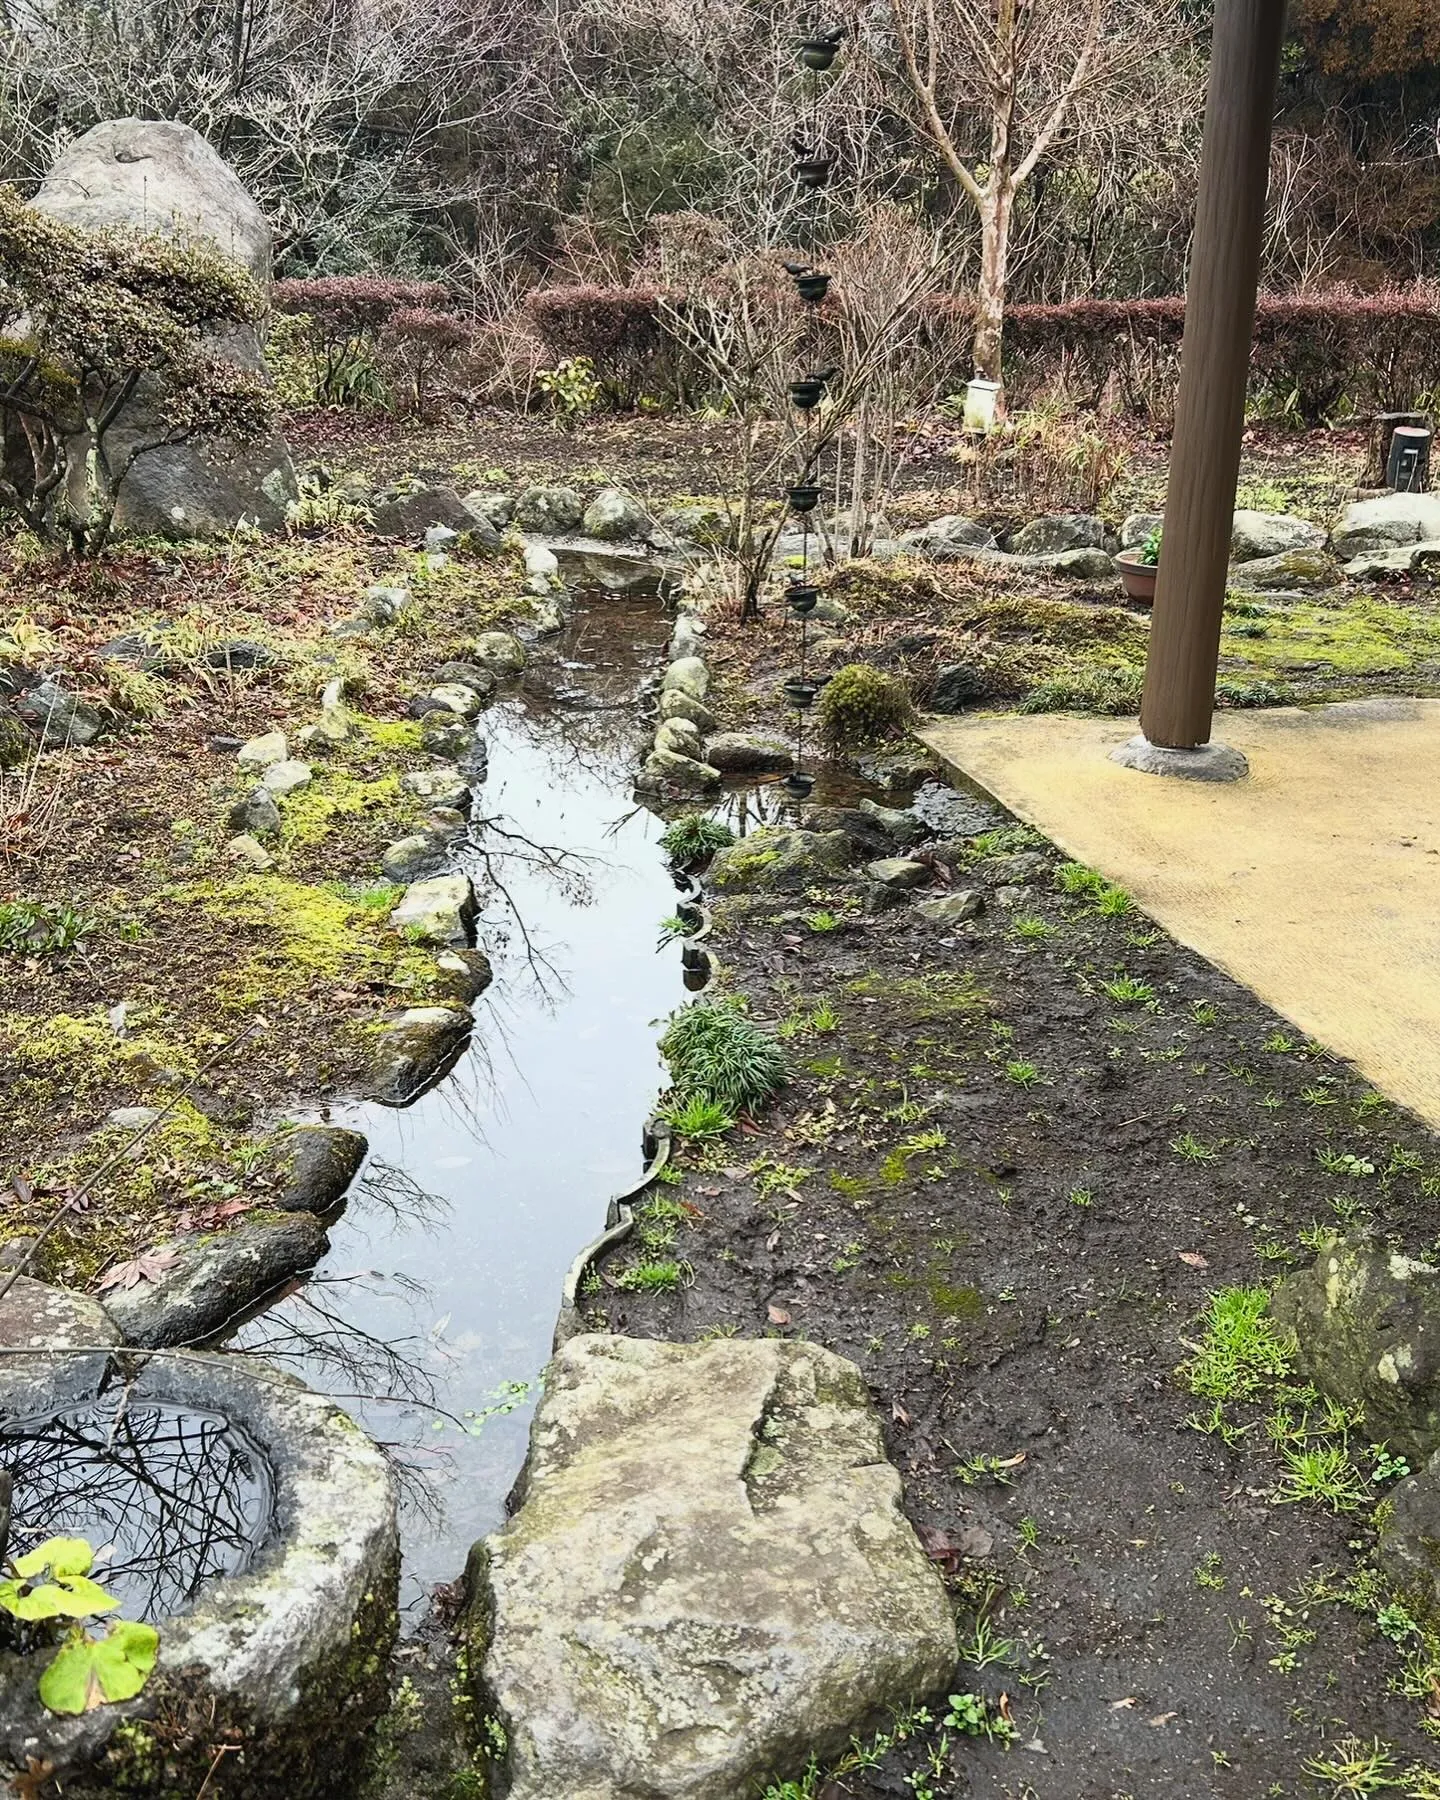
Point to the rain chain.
(811, 169)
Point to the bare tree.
(998, 85)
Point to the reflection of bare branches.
(393, 1190)
(183, 1496)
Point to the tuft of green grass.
(1031, 930)
(715, 1051)
(1125, 990)
(698, 1117)
(1023, 1074)
(1325, 1474)
(662, 1276)
(1241, 1349)
(38, 928)
(1193, 1149)
(824, 921)
(694, 836)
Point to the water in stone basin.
(444, 1278)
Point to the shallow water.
(444, 1278)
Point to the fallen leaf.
(778, 1315)
(150, 1265)
(1194, 1258)
(1129, 1700)
(773, 1241)
(32, 1784)
(1163, 1718)
(21, 1189)
(898, 1413)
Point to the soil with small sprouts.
(1013, 1162)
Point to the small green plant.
(663, 1276)
(1023, 1074)
(37, 928)
(860, 705)
(1357, 1168)
(1204, 1012)
(572, 390)
(823, 921)
(1125, 990)
(717, 1052)
(1088, 884)
(698, 1117)
(824, 1017)
(976, 1469)
(1149, 556)
(973, 1715)
(1323, 1473)
(693, 836)
(1242, 1349)
(1387, 1466)
(1208, 1571)
(1354, 1769)
(1031, 930)
(52, 1584)
(1081, 1196)
(1193, 1149)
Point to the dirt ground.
(1008, 1195)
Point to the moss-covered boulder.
(710, 1579)
(1291, 572)
(1367, 1325)
(782, 862)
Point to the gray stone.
(549, 509)
(501, 652)
(546, 618)
(491, 506)
(868, 838)
(412, 515)
(1257, 535)
(901, 826)
(262, 751)
(383, 604)
(250, 851)
(1404, 559)
(467, 972)
(416, 1051)
(1292, 572)
(62, 719)
(216, 1276)
(689, 675)
(957, 685)
(442, 787)
(709, 527)
(468, 674)
(749, 753)
(1007, 894)
(891, 769)
(1384, 522)
(952, 909)
(1058, 532)
(412, 858)
(256, 816)
(1138, 527)
(780, 861)
(160, 176)
(455, 697)
(1409, 1544)
(15, 742)
(898, 872)
(688, 637)
(1208, 762)
(675, 703)
(1078, 564)
(665, 772)
(440, 910)
(287, 777)
(132, 1118)
(443, 734)
(678, 737)
(1367, 1323)
(441, 537)
(1025, 865)
(320, 1162)
(592, 563)
(614, 514)
(541, 560)
(711, 1577)
(954, 815)
(34, 1316)
(950, 535)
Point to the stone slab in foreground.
(709, 1580)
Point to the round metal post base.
(1209, 762)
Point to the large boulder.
(952, 535)
(411, 512)
(1291, 572)
(416, 1051)
(1058, 532)
(614, 514)
(670, 772)
(1367, 1325)
(1409, 1546)
(749, 753)
(773, 861)
(1385, 522)
(710, 1579)
(160, 176)
(1258, 534)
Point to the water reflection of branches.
(181, 1495)
(395, 1191)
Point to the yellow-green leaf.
(58, 1555)
(88, 1672)
(80, 1597)
(24, 1602)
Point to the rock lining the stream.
(416, 1051)
(321, 1161)
(710, 1578)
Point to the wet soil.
(1008, 1195)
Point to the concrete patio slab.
(1315, 881)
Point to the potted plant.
(1139, 569)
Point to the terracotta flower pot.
(1136, 577)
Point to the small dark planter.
(807, 393)
(799, 786)
(800, 693)
(803, 499)
(802, 599)
(813, 171)
(1136, 577)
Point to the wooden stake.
(1215, 362)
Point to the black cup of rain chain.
(812, 286)
(807, 393)
(798, 785)
(800, 693)
(819, 52)
(803, 499)
(801, 598)
(813, 171)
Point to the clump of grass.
(716, 1051)
(36, 928)
(1125, 990)
(1242, 1349)
(1088, 884)
(698, 1117)
(694, 836)
(861, 705)
(662, 1276)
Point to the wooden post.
(1215, 361)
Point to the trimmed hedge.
(1310, 351)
